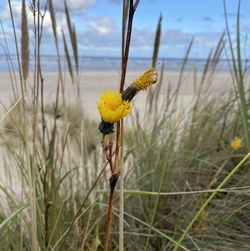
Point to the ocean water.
(49, 64)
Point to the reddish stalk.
(119, 130)
(108, 224)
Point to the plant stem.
(132, 10)
(121, 199)
(112, 183)
(119, 129)
(109, 219)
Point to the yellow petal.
(112, 108)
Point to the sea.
(49, 63)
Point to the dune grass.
(183, 187)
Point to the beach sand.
(93, 83)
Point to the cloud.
(75, 6)
(104, 35)
(142, 37)
(47, 39)
(116, 1)
(101, 35)
(179, 19)
(207, 19)
(17, 8)
(102, 26)
(120, 1)
(233, 15)
(100, 32)
(175, 37)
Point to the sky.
(98, 26)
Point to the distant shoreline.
(49, 63)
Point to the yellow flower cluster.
(236, 143)
(146, 79)
(112, 108)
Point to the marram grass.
(187, 191)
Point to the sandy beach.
(92, 84)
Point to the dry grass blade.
(54, 28)
(16, 47)
(218, 51)
(66, 50)
(182, 72)
(72, 34)
(53, 20)
(13, 78)
(158, 89)
(75, 49)
(157, 42)
(211, 64)
(185, 61)
(25, 42)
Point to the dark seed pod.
(106, 128)
(129, 93)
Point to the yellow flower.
(146, 79)
(112, 108)
(236, 143)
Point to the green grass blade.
(228, 177)
(13, 215)
(155, 230)
(163, 176)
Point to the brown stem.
(132, 10)
(115, 175)
(118, 131)
(112, 182)
(108, 219)
(110, 154)
(108, 151)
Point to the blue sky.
(98, 24)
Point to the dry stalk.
(25, 44)
(16, 47)
(66, 50)
(73, 40)
(151, 93)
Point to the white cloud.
(103, 35)
(100, 32)
(73, 5)
(103, 26)
(116, 1)
(17, 8)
